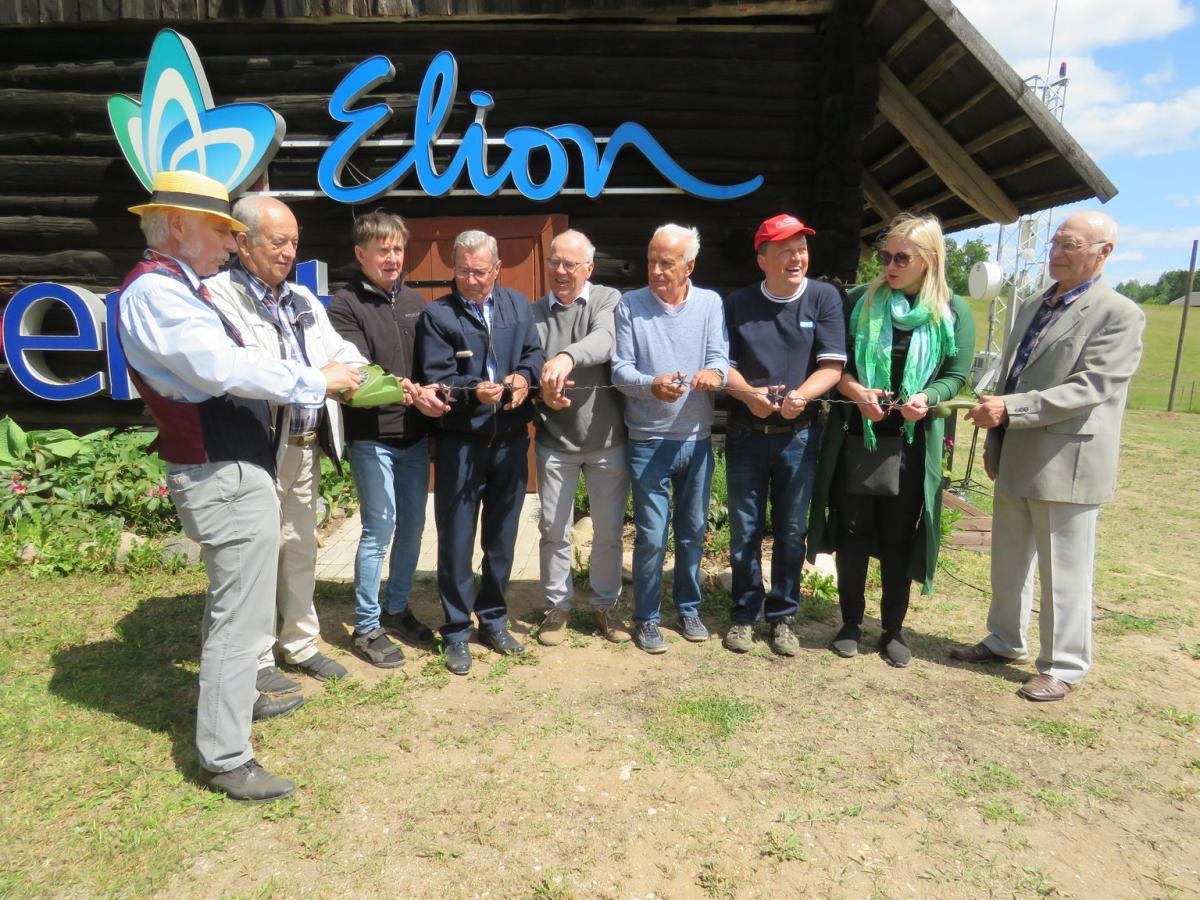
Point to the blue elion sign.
(176, 125)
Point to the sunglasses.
(901, 259)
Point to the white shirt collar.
(584, 294)
(775, 299)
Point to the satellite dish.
(984, 281)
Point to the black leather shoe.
(271, 681)
(500, 641)
(458, 657)
(269, 707)
(407, 627)
(250, 782)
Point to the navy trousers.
(471, 472)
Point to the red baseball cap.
(779, 228)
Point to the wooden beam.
(942, 63)
(878, 198)
(876, 9)
(944, 154)
(969, 103)
(1002, 74)
(889, 156)
(1026, 164)
(1000, 132)
(911, 33)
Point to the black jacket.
(453, 345)
(385, 331)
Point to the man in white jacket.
(287, 321)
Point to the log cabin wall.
(727, 101)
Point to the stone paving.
(335, 561)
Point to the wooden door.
(524, 243)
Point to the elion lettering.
(523, 144)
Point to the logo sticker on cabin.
(177, 126)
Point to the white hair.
(155, 227)
(689, 236)
(473, 240)
(249, 211)
(588, 250)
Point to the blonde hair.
(925, 233)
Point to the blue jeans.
(387, 480)
(781, 467)
(658, 468)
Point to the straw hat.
(191, 191)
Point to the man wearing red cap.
(787, 346)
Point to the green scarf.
(932, 342)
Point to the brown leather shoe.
(609, 626)
(1044, 689)
(980, 653)
(553, 629)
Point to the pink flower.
(949, 442)
(157, 491)
(16, 485)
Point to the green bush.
(55, 477)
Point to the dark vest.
(219, 429)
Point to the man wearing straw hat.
(210, 396)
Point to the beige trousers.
(1061, 537)
(297, 627)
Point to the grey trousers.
(297, 485)
(1062, 537)
(606, 474)
(231, 511)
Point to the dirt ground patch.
(595, 770)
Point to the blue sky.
(1133, 102)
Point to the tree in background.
(958, 264)
(1170, 286)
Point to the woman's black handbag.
(873, 474)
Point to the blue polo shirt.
(778, 340)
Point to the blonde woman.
(879, 478)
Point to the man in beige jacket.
(1053, 439)
(286, 321)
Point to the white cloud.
(1137, 127)
(1179, 201)
(1163, 75)
(1149, 238)
(1105, 114)
(1018, 28)
(1126, 256)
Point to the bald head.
(1081, 247)
(269, 246)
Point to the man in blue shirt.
(787, 348)
(480, 342)
(671, 355)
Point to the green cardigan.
(949, 379)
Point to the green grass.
(694, 725)
(1063, 731)
(1152, 383)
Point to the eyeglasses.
(570, 267)
(901, 259)
(1072, 246)
(477, 274)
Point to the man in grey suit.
(579, 431)
(1068, 363)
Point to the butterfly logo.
(176, 126)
